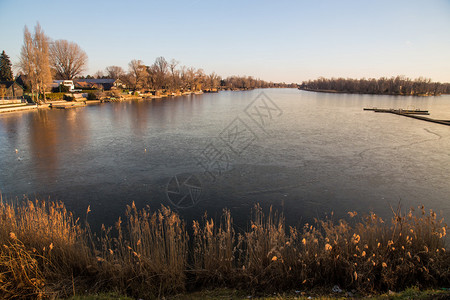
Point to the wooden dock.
(16, 107)
(66, 105)
(415, 114)
(400, 111)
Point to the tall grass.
(46, 253)
(146, 259)
(42, 243)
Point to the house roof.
(56, 83)
(8, 84)
(97, 81)
(22, 77)
(83, 84)
(22, 80)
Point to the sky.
(280, 41)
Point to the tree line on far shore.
(399, 85)
(43, 60)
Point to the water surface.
(317, 153)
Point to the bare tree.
(44, 77)
(183, 79)
(199, 79)
(188, 77)
(34, 60)
(27, 58)
(99, 74)
(114, 72)
(68, 60)
(161, 64)
(128, 80)
(150, 77)
(213, 81)
(137, 72)
(160, 68)
(172, 67)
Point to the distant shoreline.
(395, 86)
(348, 92)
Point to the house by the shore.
(10, 90)
(67, 83)
(23, 81)
(105, 84)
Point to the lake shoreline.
(59, 103)
(358, 93)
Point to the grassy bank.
(45, 252)
(223, 293)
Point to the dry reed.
(45, 253)
(149, 258)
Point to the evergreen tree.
(5, 68)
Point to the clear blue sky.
(287, 41)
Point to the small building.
(10, 90)
(104, 84)
(24, 82)
(89, 85)
(67, 83)
(76, 85)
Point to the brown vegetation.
(399, 85)
(67, 59)
(170, 77)
(34, 60)
(46, 253)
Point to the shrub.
(113, 93)
(54, 96)
(68, 97)
(61, 89)
(91, 96)
(28, 98)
